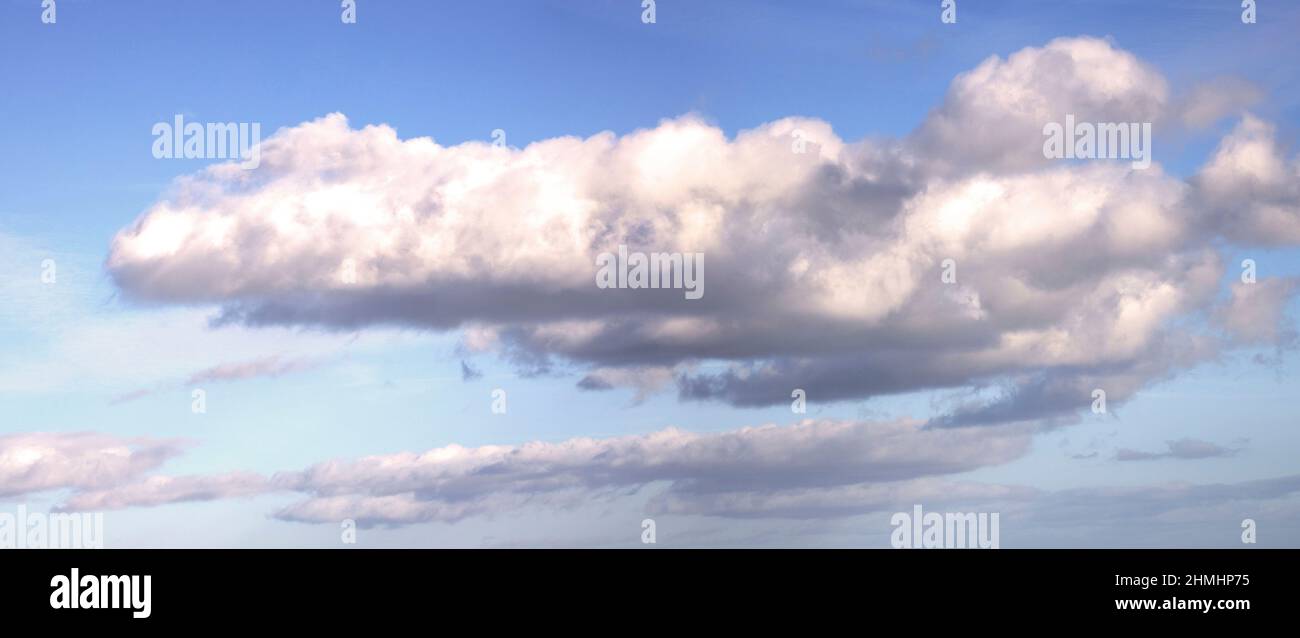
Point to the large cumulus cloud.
(823, 268)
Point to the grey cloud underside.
(821, 270)
(1060, 393)
(807, 455)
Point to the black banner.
(546, 589)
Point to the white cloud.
(1250, 188)
(42, 461)
(993, 115)
(823, 268)
(1256, 312)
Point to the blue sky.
(81, 96)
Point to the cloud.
(76, 342)
(469, 374)
(646, 381)
(132, 396)
(1256, 312)
(453, 482)
(162, 490)
(1213, 100)
(824, 267)
(1249, 190)
(1164, 515)
(1185, 448)
(37, 462)
(837, 501)
(992, 117)
(812, 471)
(272, 366)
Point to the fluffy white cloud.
(1256, 312)
(993, 115)
(1249, 188)
(823, 268)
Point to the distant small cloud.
(272, 366)
(1136, 455)
(132, 396)
(469, 374)
(1186, 449)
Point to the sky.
(436, 181)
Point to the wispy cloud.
(267, 367)
(272, 366)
